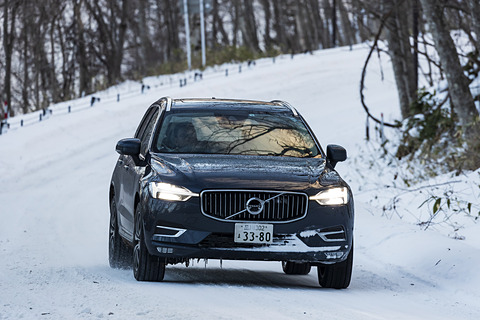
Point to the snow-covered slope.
(54, 179)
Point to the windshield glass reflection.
(235, 133)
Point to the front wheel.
(119, 254)
(336, 275)
(146, 267)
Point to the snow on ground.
(54, 179)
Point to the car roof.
(185, 104)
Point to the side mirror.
(336, 153)
(129, 147)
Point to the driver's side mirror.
(131, 147)
(336, 153)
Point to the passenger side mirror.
(129, 147)
(336, 153)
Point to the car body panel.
(178, 231)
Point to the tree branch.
(364, 73)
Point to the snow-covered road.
(54, 179)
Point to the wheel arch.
(135, 207)
(111, 192)
(136, 201)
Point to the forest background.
(57, 50)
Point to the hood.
(199, 172)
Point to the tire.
(119, 254)
(336, 275)
(290, 267)
(146, 267)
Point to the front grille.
(231, 205)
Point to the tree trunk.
(301, 34)
(458, 85)
(359, 18)
(112, 30)
(173, 42)
(146, 47)
(53, 85)
(416, 33)
(248, 26)
(349, 36)
(400, 53)
(26, 30)
(268, 16)
(327, 12)
(317, 25)
(218, 26)
(236, 21)
(334, 23)
(81, 53)
(10, 8)
(279, 25)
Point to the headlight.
(170, 192)
(334, 196)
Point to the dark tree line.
(55, 50)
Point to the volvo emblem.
(255, 206)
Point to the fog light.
(165, 250)
(334, 255)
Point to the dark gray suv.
(229, 179)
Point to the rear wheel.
(336, 275)
(119, 254)
(290, 267)
(146, 267)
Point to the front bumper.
(177, 231)
(283, 248)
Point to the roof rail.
(286, 104)
(168, 102)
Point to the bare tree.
(349, 34)
(218, 26)
(280, 25)
(171, 18)
(111, 18)
(458, 85)
(10, 9)
(268, 16)
(398, 37)
(248, 26)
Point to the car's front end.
(283, 209)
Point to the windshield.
(241, 133)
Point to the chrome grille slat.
(282, 206)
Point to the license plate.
(253, 233)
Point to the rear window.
(240, 133)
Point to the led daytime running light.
(170, 192)
(329, 197)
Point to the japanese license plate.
(253, 233)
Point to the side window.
(147, 132)
(143, 123)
